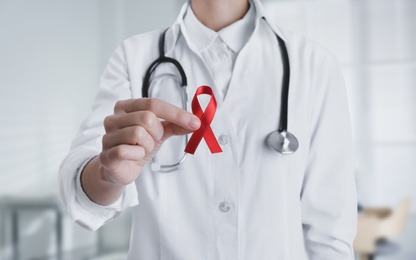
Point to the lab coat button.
(223, 139)
(224, 206)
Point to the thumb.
(171, 129)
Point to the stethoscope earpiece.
(284, 142)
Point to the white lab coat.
(292, 207)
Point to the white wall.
(52, 54)
(49, 73)
(374, 41)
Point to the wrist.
(105, 178)
(98, 186)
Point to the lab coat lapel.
(257, 70)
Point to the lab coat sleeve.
(114, 86)
(328, 196)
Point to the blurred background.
(52, 54)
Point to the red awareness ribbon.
(206, 117)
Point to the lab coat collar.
(261, 14)
(200, 36)
(234, 35)
(175, 30)
(238, 33)
(173, 33)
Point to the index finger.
(161, 109)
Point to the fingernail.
(194, 122)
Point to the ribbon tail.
(212, 142)
(193, 142)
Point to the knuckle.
(108, 122)
(151, 145)
(149, 118)
(103, 158)
(118, 152)
(152, 104)
(105, 140)
(138, 134)
(142, 152)
(181, 116)
(148, 145)
(118, 106)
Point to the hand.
(134, 134)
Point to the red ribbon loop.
(206, 117)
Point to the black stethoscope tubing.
(162, 59)
(280, 140)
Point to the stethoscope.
(280, 140)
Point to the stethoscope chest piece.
(284, 142)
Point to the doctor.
(248, 202)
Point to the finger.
(120, 153)
(121, 163)
(171, 129)
(162, 109)
(133, 135)
(146, 119)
